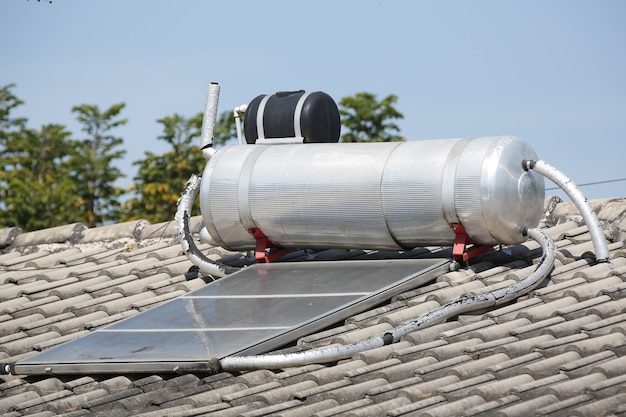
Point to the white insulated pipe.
(579, 199)
(209, 120)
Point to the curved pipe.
(465, 304)
(185, 202)
(579, 199)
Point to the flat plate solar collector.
(258, 309)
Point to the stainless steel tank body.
(395, 196)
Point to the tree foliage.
(92, 162)
(369, 120)
(161, 178)
(39, 191)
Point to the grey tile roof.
(558, 351)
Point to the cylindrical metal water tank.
(371, 195)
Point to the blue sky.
(551, 72)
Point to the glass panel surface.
(257, 309)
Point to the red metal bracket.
(266, 251)
(460, 253)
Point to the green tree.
(39, 191)
(161, 178)
(8, 102)
(369, 120)
(92, 163)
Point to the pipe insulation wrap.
(185, 203)
(463, 305)
(209, 119)
(579, 199)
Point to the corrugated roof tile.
(37, 405)
(283, 393)
(58, 306)
(94, 304)
(489, 348)
(440, 368)
(478, 366)
(573, 387)
(120, 304)
(510, 312)
(313, 394)
(488, 408)
(38, 326)
(500, 387)
(593, 289)
(549, 366)
(417, 407)
(346, 409)
(18, 262)
(605, 406)
(12, 325)
(608, 387)
(106, 319)
(453, 408)
(77, 323)
(16, 399)
(401, 315)
(554, 291)
(497, 331)
(452, 350)
(569, 327)
(561, 407)
(526, 408)
(426, 388)
(599, 327)
(361, 334)
(430, 334)
(597, 344)
(544, 311)
(141, 399)
(447, 295)
(12, 305)
(137, 285)
(27, 343)
(461, 389)
(308, 410)
(139, 253)
(611, 368)
(107, 402)
(325, 375)
(585, 365)
(381, 353)
(37, 305)
(560, 344)
(404, 370)
(371, 316)
(78, 287)
(75, 402)
(354, 392)
(365, 372)
(51, 259)
(610, 308)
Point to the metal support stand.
(460, 253)
(266, 251)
